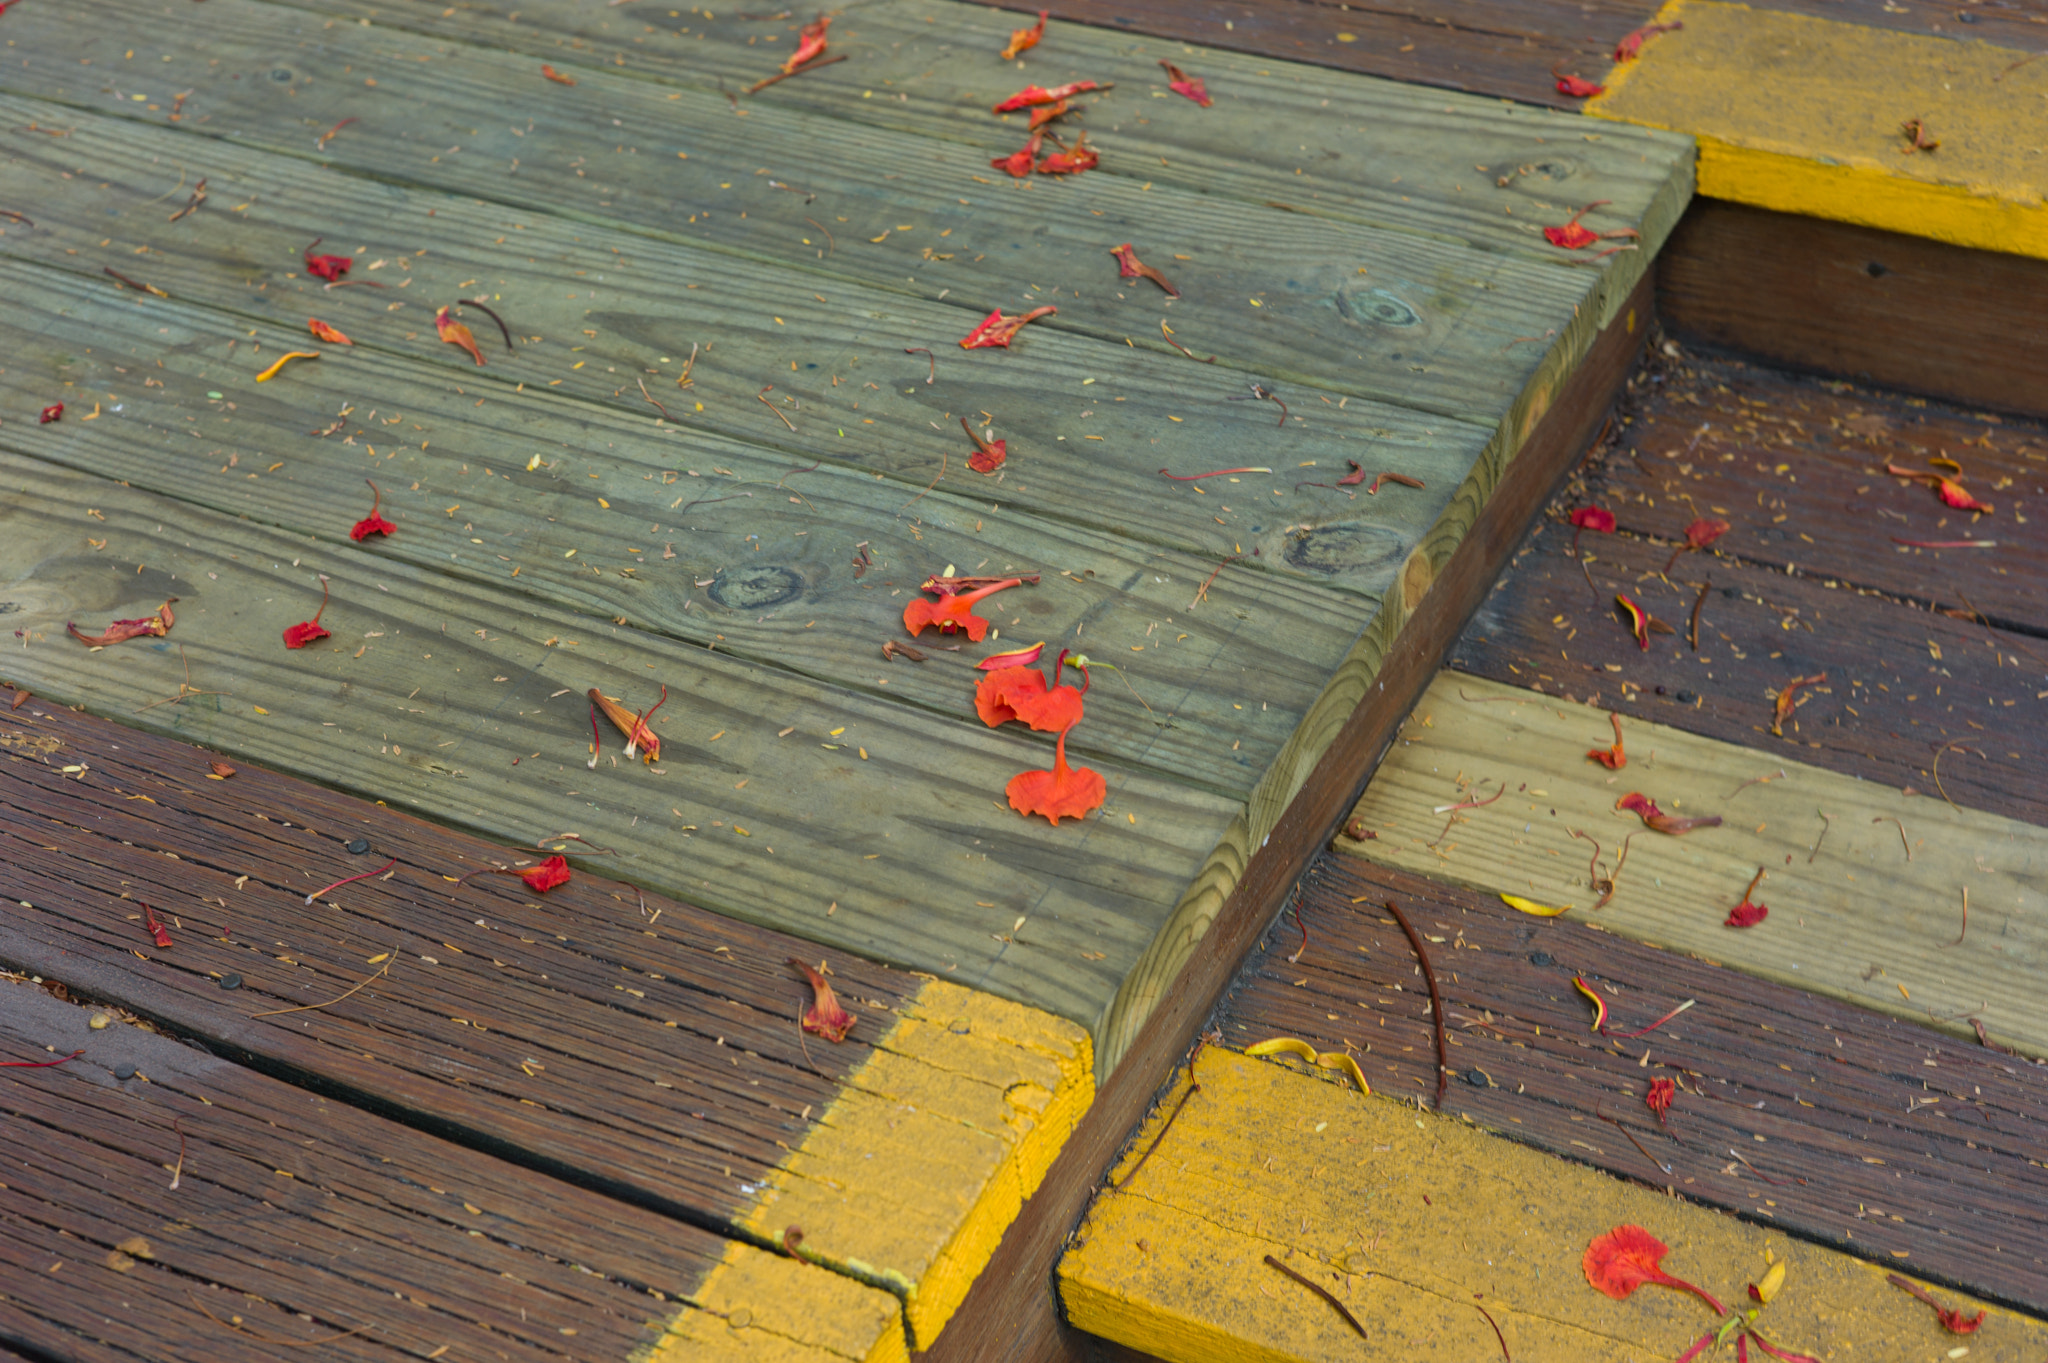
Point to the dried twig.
(1902, 832)
(925, 351)
(1336, 1305)
(1631, 1139)
(785, 75)
(1825, 824)
(650, 397)
(1125, 1181)
(927, 487)
(762, 396)
(1436, 1002)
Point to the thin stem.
(1436, 1002)
(352, 879)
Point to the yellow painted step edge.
(909, 1179)
(1412, 1217)
(2007, 211)
(759, 1307)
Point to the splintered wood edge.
(1265, 1160)
(1811, 152)
(903, 1187)
(1177, 939)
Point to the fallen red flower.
(824, 1017)
(1069, 792)
(1646, 809)
(326, 333)
(1638, 619)
(1128, 266)
(53, 412)
(1658, 1099)
(329, 268)
(1353, 478)
(1705, 531)
(1021, 693)
(1038, 94)
(1574, 234)
(157, 931)
(1746, 914)
(546, 876)
(1182, 84)
(1950, 491)
(556, 76)
(1073, 161)
(1631, 46)
(455, 333)
(810, 42)
(1597, 518)
(955, 610)
(987, 456)
(1046, 113)
(372, 524)
(1952, 1318)
(1020, 162)
(1024, 39)
(1781, 709)
(158, 625)
(309, 631)
(998, 330)
(1628, 1257)
(1578, 87)
(1614, 759)
(640, 740)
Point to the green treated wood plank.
(1288, 302)
(757, 573)
(240, 254)
(1861, 908)
(404, 704)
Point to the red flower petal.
(1746, 915)
(1571, 236)
(1638, 804)
(998, 330)
(1952, 493)
(1594, 518)
(1658, 1099)
(369, 525)
(1036, 94)
(1063, 792)
(810, 42)
(158, 625)
(51, 413)
(455, 333)
(326, 333)
(329, 268)
(954, 611)
(1626, 1258)
(1578, 87)
(824, 1017)
(1019, 164)
(544, 877)
(1614, 758)
(305, 632)
(993, 693)
(1705, 531)
(1182, 84)
(1024, 39)
(1073, 161)
(1639, 621)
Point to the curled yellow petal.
(1329, 1060)
(1772, 1281)
(284, 360)
(1515, 901)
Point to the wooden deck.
(717, 453)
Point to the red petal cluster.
(810, 43)
(329, 268)
(53, 412)
(1190, 86)
(1024, 39)
(1578, 87)
(998, 330)
(546, 876)
(158, 625)
(1629, 1257)
(372, 524)
(1658, 1099)
(824, 1017)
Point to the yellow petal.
(1773, 1280)
(1515, 901)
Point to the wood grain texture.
(855, 400)
(294, 1218)
(1872, 914)
(1878, 718)
(1414, 1218)
(1017, 1314)
(668, 155)
(426, 739)
(1862, 1160)
(1878, 307)
(763, 571)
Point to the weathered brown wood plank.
(1878, 307)
(1878, 717)
(1877, 1137)
(294, 1219)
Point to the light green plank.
(431, 687)
(1484, 314)
(1861, 908)
(1226, 682)
(239, 253)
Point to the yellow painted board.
(910, 1178)
(1415, 1221)
(760, 1307)
(1853, 917)
(1804, 115)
